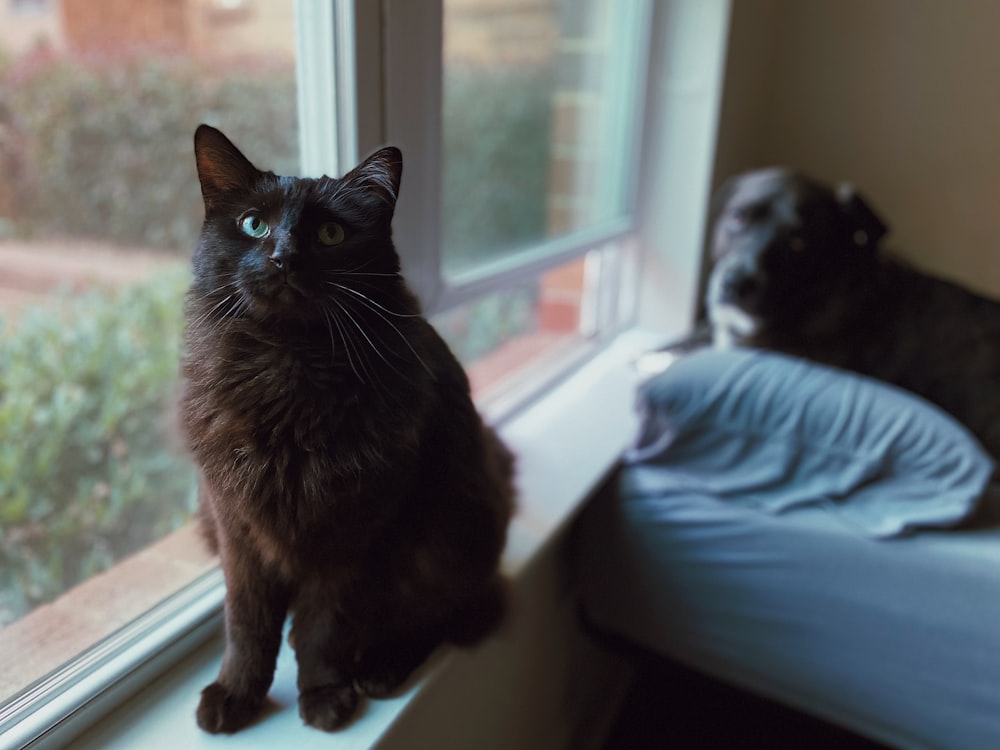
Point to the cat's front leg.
(325, 651)
(255, 611)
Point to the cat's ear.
(221, 166)
(378, 176)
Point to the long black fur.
(347, 478)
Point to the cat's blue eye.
(253, 226)
(330, 233)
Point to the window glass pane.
(512, 340)
(538, 107)
(99, 211)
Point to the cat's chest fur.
(296, 444)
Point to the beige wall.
(901, 97)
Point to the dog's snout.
(740, 285)
(744, 287)
(736, 282)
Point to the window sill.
(566, 443)
(51, 635)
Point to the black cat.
(347, 478)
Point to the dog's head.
(782, 246)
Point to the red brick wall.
(102, 25)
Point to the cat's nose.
(281, 255)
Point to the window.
(517, 208)
(537, 99)
(517, 223)
(99, 211)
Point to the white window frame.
(409, 113)
(665, 219)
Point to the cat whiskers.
(208, 313)
(369, 372)
(331, 322)
(364, 357)
(227, 310)
(366, 264)
(369, 301)
(237, 309)
(359, 271)
(381, 311)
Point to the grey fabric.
(773, 432)
(898, 639)
(745, 541)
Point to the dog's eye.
(738, 218)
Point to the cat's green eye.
(253, 226)
(330, 233)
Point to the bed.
(811, 535)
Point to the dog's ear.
(720, 198)
(716, 206)
(864, 224)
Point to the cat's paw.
(381, 674)
(329, 707)
(220, 711)
(382, 684)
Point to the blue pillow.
(774, 432)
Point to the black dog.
(797, 268)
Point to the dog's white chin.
(730, 325)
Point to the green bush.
(91, 469)
(496, 124)
(103, 148)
